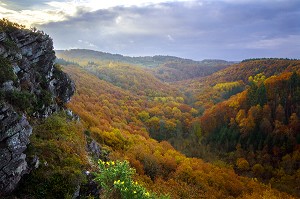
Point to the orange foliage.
(112, 116)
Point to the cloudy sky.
(197, 29)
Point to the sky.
(197, 29)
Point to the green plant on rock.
(24, 100)
(6, 25)
(60, 145)
(9, 44)
(6, 71)
(116, 180)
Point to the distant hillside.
(258, 130)
(133, 78)
(171, 71)
(166, 68)
(224, 83)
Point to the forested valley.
(240, 119)
(86, 124)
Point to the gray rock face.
(14, 136)
(31, 57)
(94, 148)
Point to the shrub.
(60, 145)
(116, 179)
(6, 25)
(242, 164)
(10, 44)
(45, 99)
(6, 71)
(24, 100)
(258, 170)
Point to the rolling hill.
(165, 68)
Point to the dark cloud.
(231, 30)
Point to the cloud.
(87, 43)
(228, 29)
(275, 43)
(170, 38)
(31, 12)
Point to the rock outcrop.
(14, 137)
(31, 86)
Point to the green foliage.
(9, 44)
(6, 25)
(116, 178)
(144, 116)
(64, 62)
(45, 98)
(258, 170)
(242, 164)
(57, 72)
(268, 59)
(23, 100)
(196, 129)
(264, 122)
(227, 89)
(60, 145)
(58, 67)
(257, 94)
(257, 79)
(51, 183)
(113, 139)
(6, 71)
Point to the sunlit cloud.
(55, 11)
(32, 17)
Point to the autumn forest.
(211, 129)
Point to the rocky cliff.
(31, 86)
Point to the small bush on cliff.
(6, 25)
(6, 71)
(23, 100)
(116, 179)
